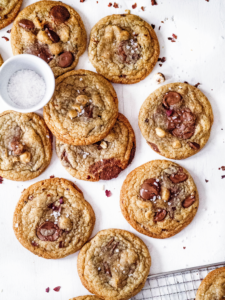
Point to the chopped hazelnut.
(65, 223)
(77, 107)
(25, 157)
(82, 99)
(160, 132)
(72, 114)
(176, 144)
(103, 145)
(165, 194)
(159, 78)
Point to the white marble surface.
(197, 56)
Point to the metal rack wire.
(176, 285)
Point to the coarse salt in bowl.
(39, 79)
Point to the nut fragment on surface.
(77, 107)
(159, 78)
(176, 144)
(72, 113)
(82, 99)
(160, 132)
(25, 157)
(103, 145)
(165, 194)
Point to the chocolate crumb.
(1, 179)
(163, 59)
(88, 177)
(47, 290)
(223, 176)
(174, 36)
(153, 26)
(159, 27)
(110, 4)
(184, 247)
(146, 120)
(134, 5)
(9, 31)
(186, 82)
(160, 65)
(108, 193)
(162, 21)
(82, 0)
(57, 289)
(173, 41)
(52, 176)
(223, 168)
(206, 180)
(4, 37)
(154, 2)
(143, 8)
(169, 38)
(197, 84)
(115, 5)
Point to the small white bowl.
(31, 62)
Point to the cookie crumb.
(206, 180)
(153, 2)
(223, 176)
(184, 247)
(159, 77)
(127, 11)
(82, 0)
(108, 193)
(115, 5)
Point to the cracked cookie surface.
(8, 11)
(123, 48)
(176, 120)
(213, 286)
(52, 219)
(52, 31)
(159, 199)
(104, 159)
(25, 145)
(83, 108)
(114, 264)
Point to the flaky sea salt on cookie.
(123, 48)
(83, 109)
(159, 199)
(176, 120)
(52, 218)
(114, 264)
(25, 145)
(213, 286)
(103, 160)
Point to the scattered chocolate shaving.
(207, 0)
(4, 37)
(223, 176)
(57, 289)
(1, 179)
(47, 290)
(153, 26)
(115, 5)
(197, 84)
(134, 5)
(223, 168)
(110, 4)
(184, 247)
(163, 59)
(160, 65)
(114, 247)
(186, 82)
(206, 180)
(174, 36)
(82, 0)
(9, 31)
(107, 269)
(108, 193)
(154, 2)
(169, 38)
(162, 22)
(52, 176)
(173, 41)
(143, 8)
(159, 27)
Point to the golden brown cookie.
(159, 199)
(176, 120)
(87, 297)
(52, 31)
(123, 48)
(25, 145)
(213, 286)
(114, 264)
(52, 218)
(1, 60)
(8, 11)
(83, 109)
(103, 160)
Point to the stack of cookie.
(94, 142)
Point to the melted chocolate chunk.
(107, 269)
(194, 145)
(181, 123)
(172, 100)
(150, 189)
(188, 201)
(16, 147)
(154, 147)
(88, 111)
(106, 169)
(64, 157)
(132, 153)
(160, 215)
(66, 59)
(59, 14)
(48, 231)
(128, 52)
(40, 51)
(180, 176)
(26, 24)
(52, 35)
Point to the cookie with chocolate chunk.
(25, 145)
(87, 297)
(213, 286)
(123, 48)
(83, 109)
(114, 264)
(1, 60)
(52, 31)
(176, 120)
(9, 9)
(103, 160)
(52, 219)
(159, 199)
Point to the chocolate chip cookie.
(123, 48)
(52, 31)
(8, 11)
(52, 218)
(114, 264)
(88, 297)
(213, 286)
(104, 159)
(1, 60)
(25, 145)
(83, 109)
(176, 120)
(159, 199)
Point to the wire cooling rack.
(176, 285)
